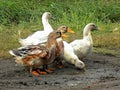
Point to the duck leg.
(37, 72)
(48, 70)
(33, 72)
(58, 63)
(41, 72)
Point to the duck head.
(65, 29)
(55, 34)
(91, 26)
(79, 64)
(46, 15)
(88, 28)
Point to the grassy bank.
(25, 16)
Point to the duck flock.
(46, 47)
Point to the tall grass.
(25, 16)
(84, 11)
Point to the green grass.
(25, 16)
(106, 51)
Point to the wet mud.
(102, 72)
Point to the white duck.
(39, 36)
(68, 54)
(70, 57)
(83, 47)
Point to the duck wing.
(81, 47)
(30, 50)
(35, 38)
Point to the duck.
(70, 57)
(34, 56)
(41, 35)
(83, 47)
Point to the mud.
(101, 73)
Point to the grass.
(25, 16)
(107, 40)
(106, 51)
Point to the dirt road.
(101, 73)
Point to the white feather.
(39, 36)
(83, 47)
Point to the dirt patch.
(101, 73)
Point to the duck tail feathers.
(22, 41)
(16, 52)
(12, 52)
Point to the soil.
(102, 72)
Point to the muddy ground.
(101, 73)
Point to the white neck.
(47, 27)
(87, 34)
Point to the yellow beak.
(70, 31)
(64, 36)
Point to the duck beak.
(70, 31)
(98, 28)
(53, 18)
(64, 36)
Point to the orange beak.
(70, 31)
(64, 36)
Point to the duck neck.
(47, 27)
(50, 42)
(50, 45)
(53, 47)
(59, 46)
(87, 35)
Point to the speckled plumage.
(34, 56)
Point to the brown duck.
(34, 56)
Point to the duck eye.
(58, 32)
(49, 14)
(93, 25)
(64, 27)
